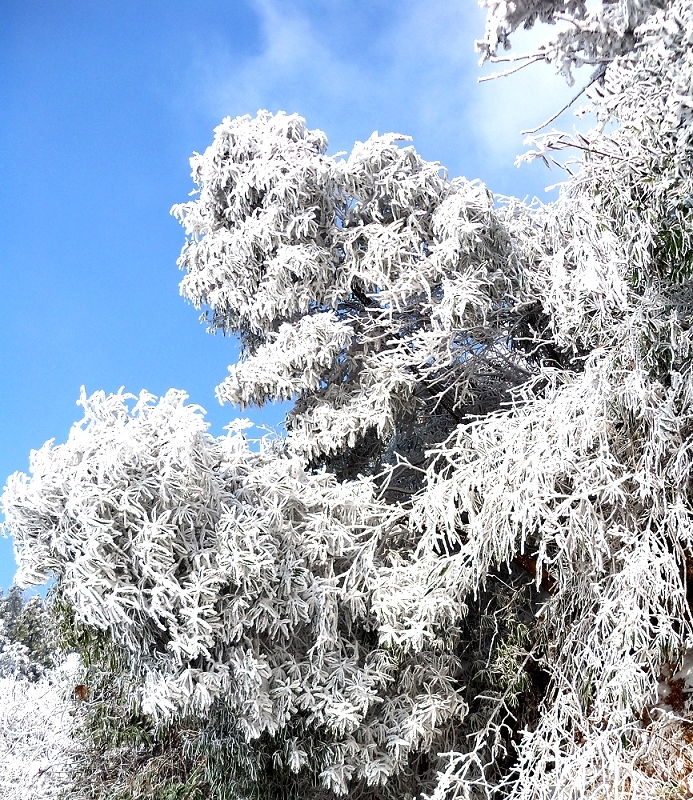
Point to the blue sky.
(103, 103)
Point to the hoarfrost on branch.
(464, 571)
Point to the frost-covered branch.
(465, 571)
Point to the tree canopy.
(465, 570)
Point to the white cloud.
(351, 68)
(504, 107)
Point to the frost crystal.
(465, 570)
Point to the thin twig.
(515, 57)
(598, 73)
(510, 71)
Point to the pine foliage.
(27, 635)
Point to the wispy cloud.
(351, 68)
(504, 107)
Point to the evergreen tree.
(465, 570)
(27, 635)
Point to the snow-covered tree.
(464, 571)
(37, 749)
(27, 635)
(237, 586)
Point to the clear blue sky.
(101, 106)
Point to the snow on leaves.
(230, 576)
(476, 536)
